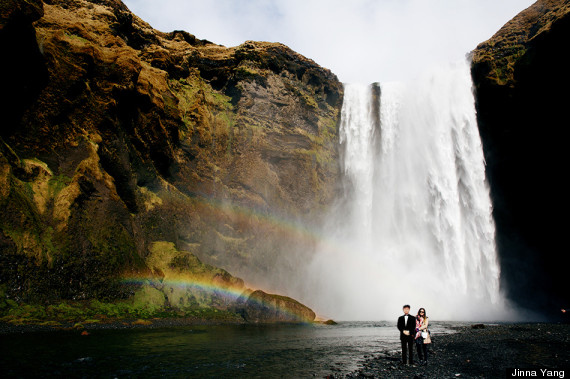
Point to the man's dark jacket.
(410, 326)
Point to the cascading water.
(415, 225)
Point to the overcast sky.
(359, 40)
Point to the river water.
(228, 351)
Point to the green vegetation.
(504, 66)
(248, 73)
(57, 183)
(29, 237)
(92, 312)
(205, 113)
(167, 297)
(109, 119)
(76, 37)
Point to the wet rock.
(260, 307)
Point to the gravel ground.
(481, 353)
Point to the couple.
(411, 329)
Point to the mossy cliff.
(181, 286)
(116, 137)
(521, 80)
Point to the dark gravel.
(481, 353)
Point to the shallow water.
(276, 351)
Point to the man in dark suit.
(407, 328)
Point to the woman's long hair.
(425, 313)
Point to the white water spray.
(416, 224)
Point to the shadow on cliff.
(522, 99)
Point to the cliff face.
(116, 137)
(521, 78)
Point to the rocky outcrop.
(521, 79)
(115, 136)
(182, 282)
(260, 307)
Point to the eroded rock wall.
(116, 136)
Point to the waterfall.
(414, 225)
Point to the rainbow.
(222, 210)
(200, 284)
(287, 226)
(294, 230)
(227, 293)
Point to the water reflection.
(199, 351)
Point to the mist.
(411, 228)
(414, 225)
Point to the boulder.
(261, 307)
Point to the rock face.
(521, 78)
(260, 307)
(116, 136)
(182, 282)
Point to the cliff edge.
(521, 83)
(116, 137)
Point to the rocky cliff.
(521, 79)
(116, 137)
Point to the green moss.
(205, 113)
(186, 280)
(5, 303)
(115, 245)
(80, 314)
(250, 73)
(57, 183)
(307, 98)
(50, 323)
(149, 298)
(165, 256)
(186, 90)
(22, 223)
(76, 37)
(501, 56)
(309, 101)
(222, 101)
(46, 240)
(327, 128)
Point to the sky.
(361, 41)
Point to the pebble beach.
(483, 351)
